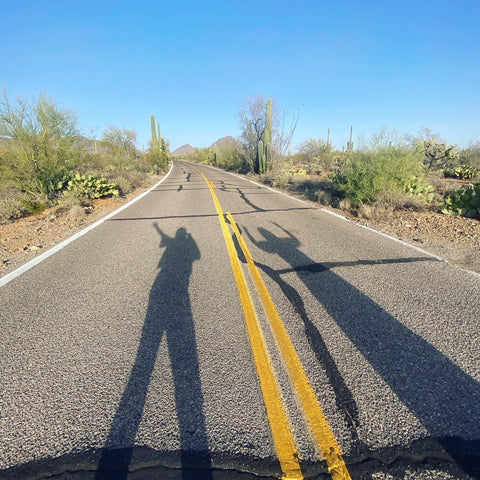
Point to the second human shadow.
(438, 392)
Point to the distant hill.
(183, 150)
(227, 141)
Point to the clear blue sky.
(402, 64)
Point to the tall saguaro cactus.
(158, 145)
(154, 132)
(261, 157)
(265, 145)
(268, 123)
(156, 135)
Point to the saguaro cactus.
(154, 132)
(261, 157)
(267, 136)
(156, 135)
(158, 151)
(265, 145)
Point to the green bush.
(366, 175)
(385, 166)
(33, 206)
(465, 201)
(39, 143)
(230, 158)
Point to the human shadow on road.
(169, 315)
(438, 392)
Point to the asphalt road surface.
(218, 329)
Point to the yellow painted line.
(281, 432)
(313, 412)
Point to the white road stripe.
(27, 266)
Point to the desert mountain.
(227, 141)
(183, 150)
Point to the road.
(218, 329)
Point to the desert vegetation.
(45, 161)
(388, 172)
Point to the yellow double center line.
(279, 425)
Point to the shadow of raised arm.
(165, 238)
(250, 237)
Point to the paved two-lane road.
(128, 350)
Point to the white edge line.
(35, 261)
(341, 217)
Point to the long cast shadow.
(248, 202)
(123, 219)
(169, 314)
(438, 392)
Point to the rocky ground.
(455, 239)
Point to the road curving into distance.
(218, 329)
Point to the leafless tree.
(252, 116)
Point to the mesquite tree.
(40, 138)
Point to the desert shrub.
(322, 191)
(395, 201)
(39, 139)
(71, 198)
(324, 197)
(278, 180)
(33, 206)
(230, 157)
(471, 155)
(267, 178)
(465, 201)
(385, 166)
(389, 202)
(309, 187)
(11, 207)
(124, 184)
(77, 213)
(371, 212)
(127, 180)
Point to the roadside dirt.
(455, 239)
(26, 238)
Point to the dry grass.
(77, 213)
